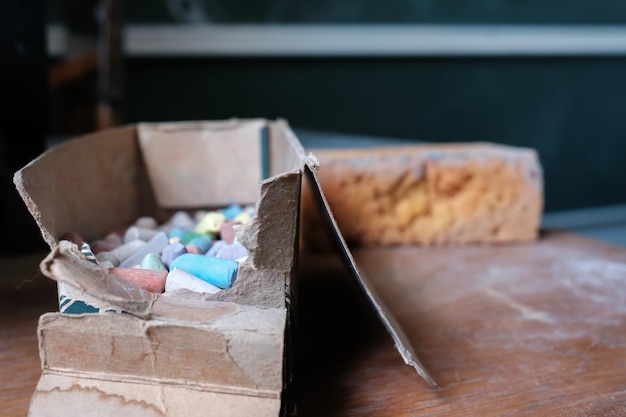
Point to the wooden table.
(528, 330)
(24, 296)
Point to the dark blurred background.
(542, 74)
(24, 112)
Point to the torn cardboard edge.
(102, 182)
(65, 264)
(401, 341)
(129, 163)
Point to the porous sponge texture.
(429, 194)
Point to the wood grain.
(525, 330)
(24, 296)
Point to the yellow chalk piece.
(211, 223)
(243, 218)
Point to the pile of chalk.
(198, 253)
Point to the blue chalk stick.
(176, 232)
(231, 211)
(219, 272)
(202, 242)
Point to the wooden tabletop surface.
(526, 330)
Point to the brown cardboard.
(400, 339)
(181, 353)
(99, 173)
(178, 168)
(224, 351)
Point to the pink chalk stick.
(194, 249)
(226, 231)
(148, 279)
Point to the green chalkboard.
(570, 110)
(368, 11)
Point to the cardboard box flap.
(65, 263)
(393, 327)
(97, 173)
(179, 155)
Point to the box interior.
(103, 182)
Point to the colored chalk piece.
(153, 261)
(227, 231)
(217, 245)
(121, 253)
(219, 272)
(114, 238)
(154, 245)
(210, 223)
(148, 279)
(189, 236)
(180, 279)
(181, 220)
(199, 214)
(106, 264)
(134, 233)
(203, 243)
(251, 210)
(146, 222)
(171, 252)
(243, 218)
(231, 211)
(176, 232)
(234, 252)
(194, 249)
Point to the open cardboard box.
(182, 353)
